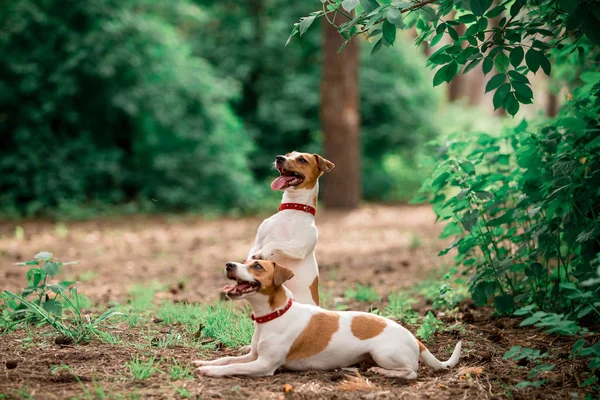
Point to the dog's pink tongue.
(228, 288)
(280, 182)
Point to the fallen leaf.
(442, 386)
(287, 388)
(466, 372)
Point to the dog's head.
(299, 170)
(255, 276)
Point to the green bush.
(523, 207)
(103, 101)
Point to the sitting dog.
(289, 237)
(302, 336)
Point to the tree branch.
(418, 5)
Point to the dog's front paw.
(208, 371)
(200, 363)
(258, 256)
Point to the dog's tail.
(436, 364)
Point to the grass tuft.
(220, 321)
(362, 293)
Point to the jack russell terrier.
(303, 336)
(289, 237)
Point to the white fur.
(289, 238)
(395, 350)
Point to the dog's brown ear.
(324, 164)
(281, 274)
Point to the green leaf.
(522, 89)
(51, 268)
(501, 61)
(514, 350)
(389, 32)
(452, 32)
(468, 167)
(369, 5)
(52, 307)
(349, 5)
(511, 105)
(377, 47)
(494, 12)
(472, 65)
(451, 228)
(540, 368)
(516, 56)
(467, 18)
(43, 255)
(445, 73)
(533, 60)
(440, 28)
(484, 195)
(35, 276)
(483, 291)
(495, 82)
(545, 64)
(479, 7)
(469, 219)
(504, 303)
(487, 66)
(306, 23)
(517, 77)
(436, 39)
(536, 269)
(500, 95)
(394, 16)
(439, 58)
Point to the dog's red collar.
(298, 207)
(273, 315)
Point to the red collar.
(273, 315)
(297, 206)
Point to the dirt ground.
(388, 247)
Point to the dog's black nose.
(229, 266)
(280, 159)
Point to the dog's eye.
(302, 160)
(257, 266)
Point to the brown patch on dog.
(314, 290)
(277, 298)
(422, 347)
(271, 276)
(310, 166)
(315, 337)
(367, 326)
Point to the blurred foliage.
(280, 86)
(104, 101)
(139, 104)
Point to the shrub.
(103, 101)
(523, 209)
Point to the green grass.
(362, 293)
(444, 290)
(429, 327)
(415, 241)
(220, 321)
(141, 297)
(178, 371)
(400, 308)
(141, 369)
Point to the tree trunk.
(552, 105)
(340, 120)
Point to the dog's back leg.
(404, 373)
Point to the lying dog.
(289, 237)
(301, 336)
